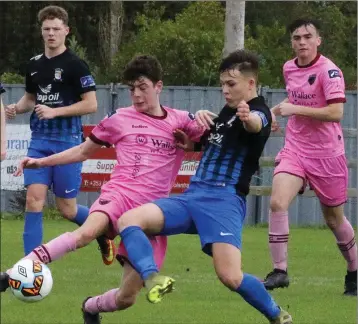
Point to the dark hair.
(142, 66)
(53, 12)
(303, 22)
(242, 60)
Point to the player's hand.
(274, 125)
(10, 111)
(287, 109)
(205, 118)
(183, 140)
(243, 111)
(45, 112)
(27, 163)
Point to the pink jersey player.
(145, 137)
(317, 85)
(314, 149)
(148, 161)
(313, 152)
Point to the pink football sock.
(346, 243)
(102, 303)
(54, 249)
(278, 238)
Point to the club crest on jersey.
(58, 74)
(333, 74)
(191, 116)
(311, 79)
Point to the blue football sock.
(254, 292)
(81, 216)
(140, 251)
(32, 235)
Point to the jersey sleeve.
(107, 132)
(333, 84)
(190, 126)
(30, 86)
(265, 114)
(82, 78)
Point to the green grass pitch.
(314, 297)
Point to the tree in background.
(234, 26)
(188, 37)
(189, 47)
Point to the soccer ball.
(30, 281)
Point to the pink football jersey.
(316, 85)
(147, 156)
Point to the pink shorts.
(114, 205)
(328, 177)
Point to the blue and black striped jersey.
(231, 154)
(58, 82)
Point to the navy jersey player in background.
(214, 205)
(59, 90)
(3, 125)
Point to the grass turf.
(314, 297)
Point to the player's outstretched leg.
(115, 299)
(345, 238)
(285, 187)
(278, 241)
(227, 263)
(88, 317)
(141, 256)
(95, 225)
(68, 208)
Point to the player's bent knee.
(332, 222)
(67, 211)
(231, 279)
(67, 207)
(34, 202)
(126, 220)
(277, 204)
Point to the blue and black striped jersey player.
(59, 90)
(214, 204)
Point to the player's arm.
(24, 105)
(253, 120)
(275, 109)
(87, 105)
(75, 154)
(330, 113)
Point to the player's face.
(236, 86)
(145, 94)
(305, 41)
(54, 33)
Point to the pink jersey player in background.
(145, 139)
(313, 152)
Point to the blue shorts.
(216, 213)
(65, 180)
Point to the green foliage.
(187, 37)
(271, 45)
(81, 52)
(189, 48)
(12, 78)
